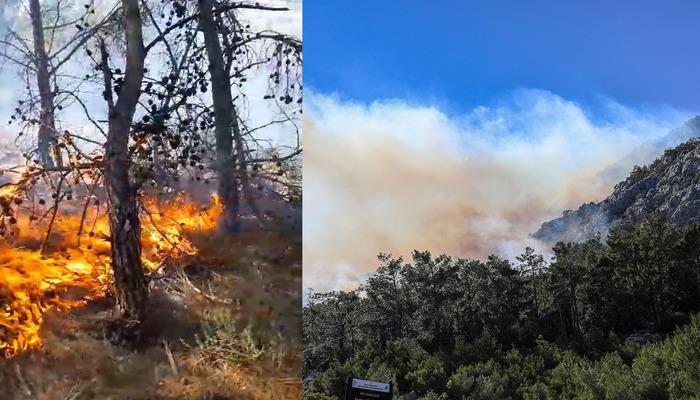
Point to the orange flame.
(79, 270)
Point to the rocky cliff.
(671, 184)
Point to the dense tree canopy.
(606, 318)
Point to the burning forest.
(60, 260)
(153, 217)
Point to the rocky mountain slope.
(671, 184)
(651, 150)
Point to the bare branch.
(222, 9)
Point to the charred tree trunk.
(131, 290)
(231, 173)
(574, 311)
(129, 279)
(47, 138)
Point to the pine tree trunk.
(231, 174)
(697, 276)
(574, 312)
(129, 278)
(534, 295)
(130, 287)
(562, 325)
(47, 138)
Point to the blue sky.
(466, 53)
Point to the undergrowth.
(229, 327)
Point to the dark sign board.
(362, 389)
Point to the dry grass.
(223, 325)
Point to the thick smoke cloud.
(393, 177)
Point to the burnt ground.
(225, 324)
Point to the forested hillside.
(607, 318)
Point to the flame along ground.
(77, 269)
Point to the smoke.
(10, 156)
(392, 176)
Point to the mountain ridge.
(670, 184)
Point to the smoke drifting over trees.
(468, 184)
(603, 319)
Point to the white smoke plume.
(392, 176)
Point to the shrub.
(650, 372)
(223, 343)
(318, 396)
(538, 391)
(614, 378)
(433, 396)
(430, 374)
(684, 360)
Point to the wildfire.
(77, 269)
